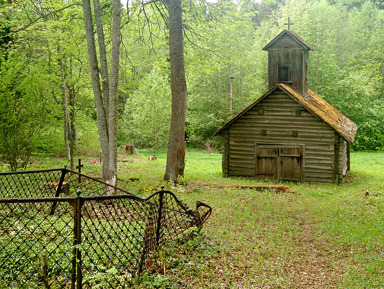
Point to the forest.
(46, 99)
(64, 64)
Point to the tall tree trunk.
(113, 91)
(72, 117)
(96, 87)
(176, 146)
(72, 125)
(103, 56)
(65, 102)
(72, 129)
(65, 109)
(105, 90)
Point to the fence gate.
(279, 162)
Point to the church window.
(284, 74)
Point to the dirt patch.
(314, 265)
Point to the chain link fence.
(60, 229)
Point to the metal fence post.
(58, 189)
(161, 196)
(61, 181)
(76, 258)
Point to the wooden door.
(278, 163)
(267, 162)
(290, 163)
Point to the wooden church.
(289, 133)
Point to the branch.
(44, 16)
(165, 18)
(150, 2)
(193, 43)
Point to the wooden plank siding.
(295, 60)
(343, 158)
(280, 120)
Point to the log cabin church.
(289, 133)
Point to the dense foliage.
(43, 61)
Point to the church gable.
(285, 42)
(287, 39)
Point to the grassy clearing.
(327, 236)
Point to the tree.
(220, 49)
(176, 144)
(105, 85)
(23, 109)
(147, 112)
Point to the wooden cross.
(79, 168)
(289, 23)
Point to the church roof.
(313, 103)
(296, 38)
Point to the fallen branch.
(277, 189)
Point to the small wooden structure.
(290, 133)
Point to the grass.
(325, 236)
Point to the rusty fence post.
(76, 251)
(59, 189)
(159, 216)
(61, 181)
(79, 168)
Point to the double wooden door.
(279, 162)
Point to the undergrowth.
(326, 236)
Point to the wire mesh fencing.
(61, 229)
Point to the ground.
(322, 236)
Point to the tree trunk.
(72, 124)
(65, 104)
(113, 91)
(176, 146)
(96, 88)
(105, 95)
(130, 149)
(103, 56)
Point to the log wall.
(279, 120)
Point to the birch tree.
(105, 82)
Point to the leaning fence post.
(76, 251)
(79, 168)
(61, 181)
(161, 195)
(59, 189)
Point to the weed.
(327, 236)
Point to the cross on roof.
(289, 23)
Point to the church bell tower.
(288, 61)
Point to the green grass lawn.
(323, 236)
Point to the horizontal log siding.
(279, 119)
